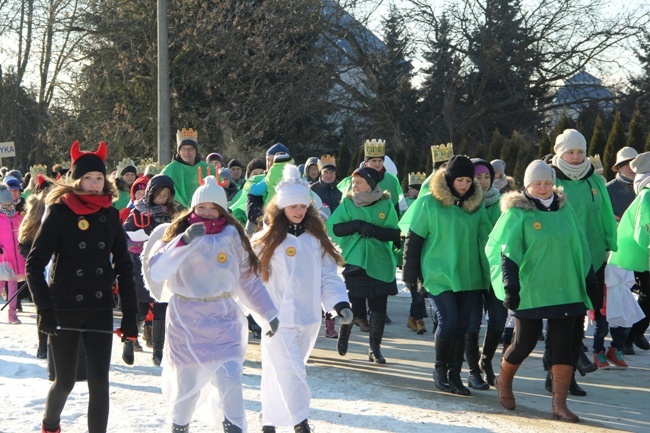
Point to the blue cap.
(276, 148)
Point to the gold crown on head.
(186, 134)
(37, 169)
(143, 164)
(124, 163)
(326, 160)
(443, 152)
(417, 178)
(153, 169)
(375, 148)
(597, 163)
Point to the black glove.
(47, 323)
(194, 231)
(366, 230)
(129, 325)
(274, 324)
(512, 300)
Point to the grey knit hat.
(538, 170)
(569, 139)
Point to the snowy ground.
(350, 395)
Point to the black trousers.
(639, 328)
(65, 347)
(564, 336)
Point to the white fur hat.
(569, 139)
(292, 189)
(538, 170)
(210, 192)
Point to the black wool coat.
(88, 254)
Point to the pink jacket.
(9, 243)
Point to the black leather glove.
(46, 322)
(129, 325)
(367, 230)
(511, 302)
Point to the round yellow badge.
(291, 251)
(382, 215)
(222, 257)
(537, 225)
(594, 191)
(83, 224)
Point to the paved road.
(617, 400)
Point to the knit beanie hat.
(12, 183)
(85, 162)
(187, 137)
(459, 166)
(225, 173)
(210, 192)
(140, 184)
(277, 148)
(569, 139)
(254, 164)
(370, 175)
(235, 163)
(15, 173)
(292, 189)
(538, 170)
(641, 164)
(499, 165)
(5, 195)
(214, 156)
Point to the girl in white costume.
(299, 264)
(204, 267)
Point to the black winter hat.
(235, 163)
(254, 164)
(370, 175)
(459, 166)
(156, 183)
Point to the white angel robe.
(303, 280)
(206, 333)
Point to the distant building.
(579, 92)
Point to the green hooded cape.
(633, 235)
(373, 255)
(186, 179)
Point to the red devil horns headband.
(75, 153)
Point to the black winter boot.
(180, 428)
(475, 379)
(158, 337)
(490, 345)
(455, 365)
(41, 352)
(574, 388)
(548, 383)
(303, 427)
(229, 427)
(443, 354)
(268, 429)
(377, 322)
(584, 364)
(344, 337)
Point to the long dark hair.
(278, 227)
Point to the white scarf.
(573, 172)
(500, 183)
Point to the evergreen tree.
(598, 139)
(636, 132)
(545, 146)
(564, 123)
(615, 142)
(496, 144)
(510, 152)
(646, 148)
(527, 153)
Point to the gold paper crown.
(143, 165)
(417, 178)
(124, 163)
(153, 169)
(597, 163)
(375, 148)
(35, 170)
(443, 152)
(326, 160)
(186, 134)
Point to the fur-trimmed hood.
(440, 190)
(517, 199)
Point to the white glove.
(274, 324)
(346, 316)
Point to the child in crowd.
(299, 264)
(202, 265)
(12, 264)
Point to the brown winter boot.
(410, 323)
(503, 384)
(561, 375)
(421, 327)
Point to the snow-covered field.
(350, 395)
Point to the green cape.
(590, 200)
(550, 249)
(238, 204)
(373, 255)
(122, 201)
(633, 237)
(186, 179)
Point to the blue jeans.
(418, 307)
(497, 315)
(453, 311)
(619, 335)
